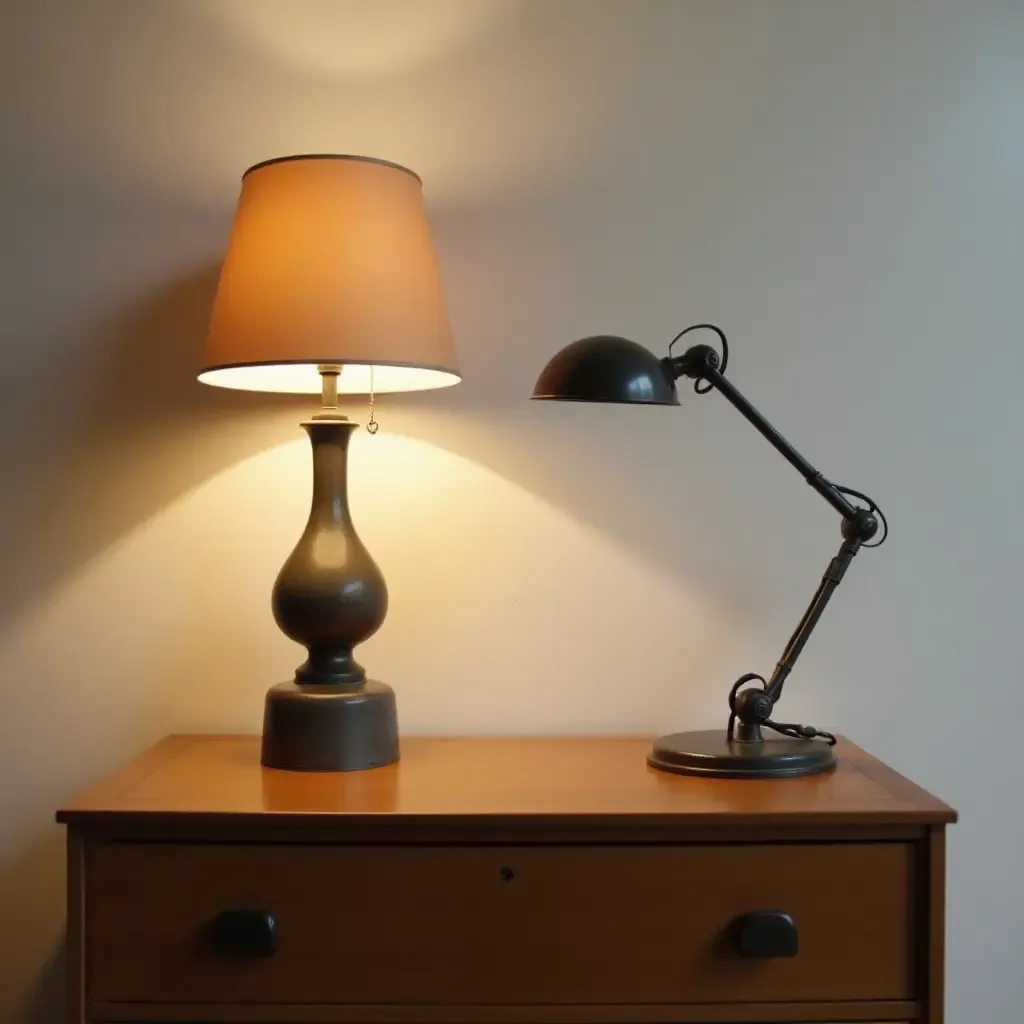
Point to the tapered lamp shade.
(330, 262)
(606, 369)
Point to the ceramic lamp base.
(712, 754)
(325, 728)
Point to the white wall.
(836, 183)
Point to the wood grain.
(467, 829)
(934, 927)
(75, 934)
(393, 908)
(513, 925)
(190, 779)
(320, 1013)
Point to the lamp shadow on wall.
(136, 440)
(152, 433)
(148, 433)
(27, 884)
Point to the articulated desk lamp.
(610, 369)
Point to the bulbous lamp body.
(330, 595)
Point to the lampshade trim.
(331, 156)
(331, 361)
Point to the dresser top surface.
(570, 779)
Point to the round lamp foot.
(711, 753)
(322, 728)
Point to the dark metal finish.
(765, 934)
(606, 369)
(248, 933)
(330, 595)
(320, 728)
(696, 363)
(609, 369)
(831, 579)
(702, 387)
(712, 753)
(331, 156)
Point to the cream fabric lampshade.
(330, 261)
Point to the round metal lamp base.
(712, 754)
(322, 728)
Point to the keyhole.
(507, 874)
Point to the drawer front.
(476, 925)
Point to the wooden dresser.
(499, 881)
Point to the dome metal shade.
(605, 368)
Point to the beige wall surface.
(836, 183)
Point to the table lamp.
(330, 284)
(612, 369)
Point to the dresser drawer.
(486, 924)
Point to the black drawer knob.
(245, 933)
(765, 934)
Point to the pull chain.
(372, 426)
